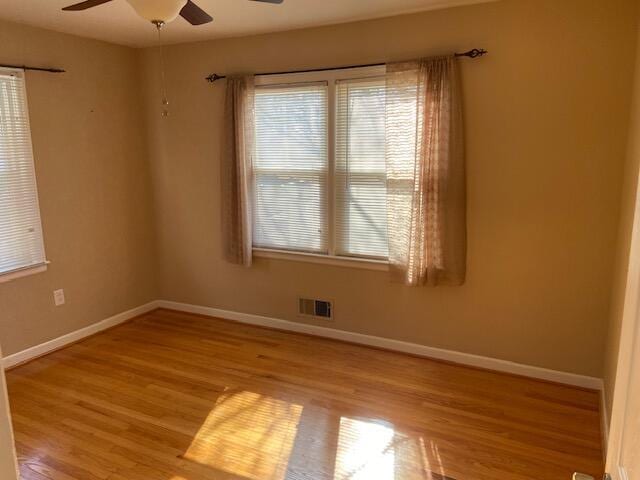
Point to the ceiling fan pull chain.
(163, 82)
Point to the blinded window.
(360, 178)
(290, 168)
(21, 244)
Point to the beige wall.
(628, 206)
(94, 187)
(546, 116)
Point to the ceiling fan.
(161, 11)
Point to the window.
(21, 244)
(360, 178)
(319, 165)
(290, 168)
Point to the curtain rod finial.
(213, 77)
(476, 52)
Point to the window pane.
(20, 231)
(290, 211)
(290, 168)
(361, 213)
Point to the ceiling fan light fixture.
(158, 10)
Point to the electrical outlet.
(58, 297)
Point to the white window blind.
(21, 244)
(290, 168)
(360, 179)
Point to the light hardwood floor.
(173, 396)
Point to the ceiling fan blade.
(277, 2)
(84, 5)
(194, 14)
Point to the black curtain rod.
(38, 69)
(476, 52)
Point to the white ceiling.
(116, 21)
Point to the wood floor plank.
(174, 396)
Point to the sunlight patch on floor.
(373, 450)
(247, 434)
(257, 437)
(365, 451)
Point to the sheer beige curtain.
(236, 165)
(426, 199)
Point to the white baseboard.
(397, 345)
(57, 343)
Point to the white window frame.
(42, 267)
(330, 77)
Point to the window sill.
(352, 262)
(23, 272)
